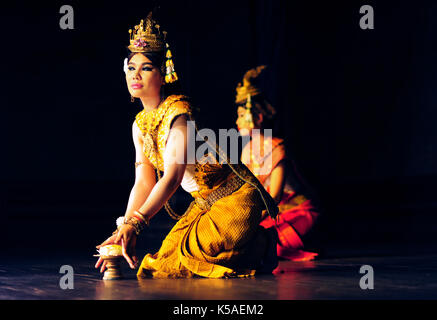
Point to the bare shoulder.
(179, 121)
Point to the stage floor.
(395, 277)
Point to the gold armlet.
(137, 164)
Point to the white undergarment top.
(188, 182)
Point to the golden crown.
(146, 37)
(247, 87)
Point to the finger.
(136, 261)
(107, 241)
(125, 255)
(133, 255)
(118, 237)
(134, 251)
(103, 266)
(98, 262)
(123, 242)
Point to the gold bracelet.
(138, 226)
(142, 217)
(133, 221)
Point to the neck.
(150, 103)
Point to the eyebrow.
(142, 63)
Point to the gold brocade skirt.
(225, 241)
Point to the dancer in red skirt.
(266, 157)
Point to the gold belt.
(226, 189)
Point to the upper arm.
(245, 155)
(145, 173)
(277, 181)
(175, 153)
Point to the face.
(142, 78)
(242, 122)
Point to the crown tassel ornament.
(170, 75)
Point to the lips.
(136, 86)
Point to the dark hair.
(158, 61)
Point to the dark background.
(357, 108)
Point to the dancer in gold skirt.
(219, 234)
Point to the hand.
(128, 239)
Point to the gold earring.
(132, 99)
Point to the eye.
(147, 68)
(131, 68)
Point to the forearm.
(137, 197)
(175, 159)
(160, 194)
(277, 182)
